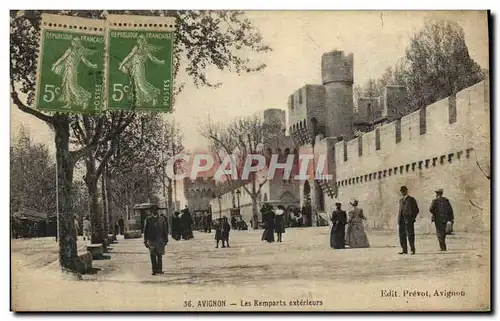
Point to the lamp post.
(238, 193)
(220, 208)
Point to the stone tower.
(338, 77)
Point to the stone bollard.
(111, 239)
(84, 263)
(133, 234)
(97, 250)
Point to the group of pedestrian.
(356, 236)
(274, 222)
(156, 226)
(442, 217)
(119, 227)
(207, 223)
(182, 226)
(295, 218)
(222, 229)
(237, 223)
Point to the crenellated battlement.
(337, 66)
(448, 126)
(199, 186)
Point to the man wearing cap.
(408, 211)
(156, 238)
(442, 213)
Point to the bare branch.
(488, 176)
(77, 154)
(105, 159)
(262, 184)
(476, 206)
(15, 98)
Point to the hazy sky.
(377, 40)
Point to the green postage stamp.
(70, 72)
(139, 63)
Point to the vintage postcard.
(240, 161)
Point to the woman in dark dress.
(176, 226)
(337, 235)
(268, 218)
(279, 222)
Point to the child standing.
(225, 231)
(222, 229)
(218, 231)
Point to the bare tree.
(136, 166)
(246, 136)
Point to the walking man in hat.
(156, 238)
(408, 211)
(442, 213)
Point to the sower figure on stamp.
(408, 211)
(442, 213)
(156, 238)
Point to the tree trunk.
(170, 206)
(169, 197)
(255, 213)
(105, 213)
(109, 200)
(93, 190)
(67, 236)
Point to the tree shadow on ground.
(441, 253)
(93, 271)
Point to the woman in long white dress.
(135, 65)
(356, 236)
(72, 94)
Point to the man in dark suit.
(408, 211)
(156, 238)
(442, 213)
(186, 224)
(121, 224)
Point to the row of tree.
(133, 173)
(32, 178)
(242, 137)
(436, 65)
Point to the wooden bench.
(97, 250)
(133, 234)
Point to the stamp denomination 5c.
(139, 63)
(70, 65)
